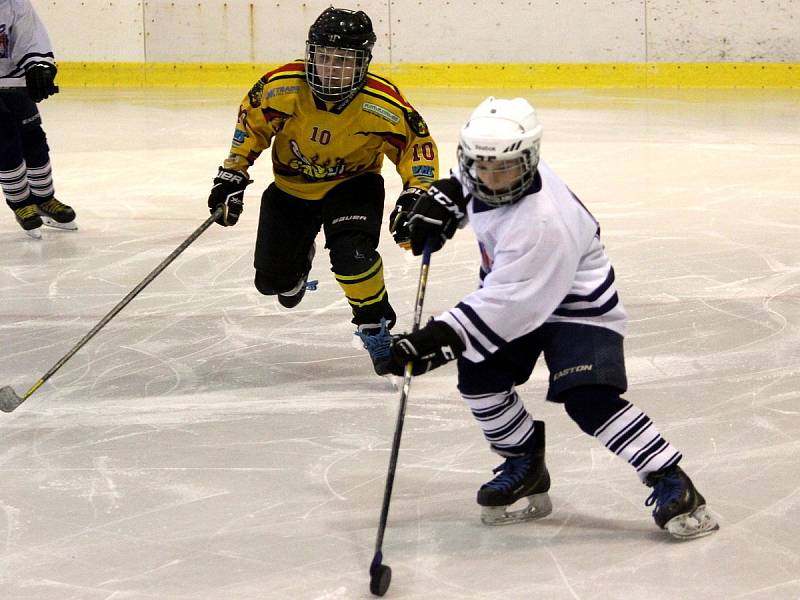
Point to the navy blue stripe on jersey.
(599, 291)
(478, 323)
(595, 311)
(33, 56)
(472, 340)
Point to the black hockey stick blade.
(9, 400)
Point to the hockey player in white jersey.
(27, 72)
(547, 287)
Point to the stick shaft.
(124, 302)
(401, 412)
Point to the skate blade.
(539, 506)
(71, 226)
(692, 525)
(34, 233)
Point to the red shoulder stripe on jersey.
(383, 88)
(296, 66)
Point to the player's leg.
(40, 175)
(352, 222)
(587, 375)
(489, 388)
(13, 171)
(287, 227)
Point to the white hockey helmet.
(498, 150)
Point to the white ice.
(209, 444)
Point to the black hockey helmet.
(338, 53)
(342, 28)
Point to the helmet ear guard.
(338, 53)
(501, 138)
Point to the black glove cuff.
(234, 178)
(442, 331)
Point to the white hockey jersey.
(23, 41)
(542, 262)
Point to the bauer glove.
(398, 219)
(427, 348)
(228, 192)
(39, 79)
(436, 215)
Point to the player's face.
(498, 175)
(336, 67)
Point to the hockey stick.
(9, 400)
(380, 575)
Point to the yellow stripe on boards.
(538, 76)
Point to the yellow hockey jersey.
(316, 146)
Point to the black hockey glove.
(39, 79)
(427, 348)
(436, 215)
(398, 219)
(228, 192)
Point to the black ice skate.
(680, 508)
(56, 214)
(377, 340)
(293, 297)
(520, 477)
(29, 219)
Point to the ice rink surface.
(209, 444)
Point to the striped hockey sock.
(41, 181)
(630, 434)
(15, 185)
(504, 420)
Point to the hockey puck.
(379, 580)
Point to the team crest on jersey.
(486, 260)
(309, 168)
(418, 124)
(3, 41)
(256, 93)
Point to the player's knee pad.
(34, 142)
(271, 284)
(10, 149)
(590, 406)
(352, 253)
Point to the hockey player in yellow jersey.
(329, 123)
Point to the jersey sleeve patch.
(418, 124)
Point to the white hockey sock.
(15, 184)
(503, 418)
(41, 181)
(631, 434)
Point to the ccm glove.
(436, 215)
(39, 81)
(427, 348)
(228, 192)
(398, 219)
